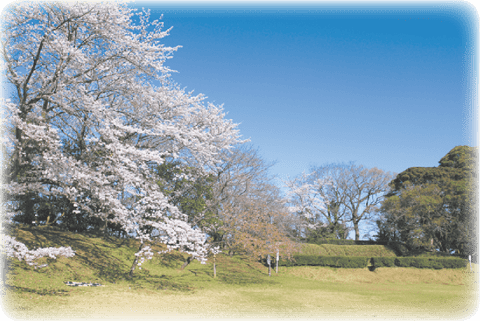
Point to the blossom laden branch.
(18, 250)
(95, 112)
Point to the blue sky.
(384, 85)
(387, 86)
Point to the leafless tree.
(242, 180)
(240, 174)
(353, 193)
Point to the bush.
(345, 242)
(382, 261)
(332, 261)
(431, 262)
(355, 262)
(362, 261)
(453, 263)
(403, 261)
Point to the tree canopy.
(331, 196)
(431, 207)
(94, 114)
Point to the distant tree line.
(425, 208)
(242, 210)
(334, 199)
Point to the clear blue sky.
(385, 86)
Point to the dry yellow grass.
(381, 275)
(241, 290)
(297, 292)
(346, 250)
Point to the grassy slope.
(346, 250)
(242, 287)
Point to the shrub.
(431, 262)
(382, 261)
(332, 261)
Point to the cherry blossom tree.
(94, 111)
(306, 202)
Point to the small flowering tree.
(306, 202)
(93, 113)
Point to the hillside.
(242, 287)
(109, 261)
(102, 260)
(346, 250)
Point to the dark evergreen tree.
(432, 208)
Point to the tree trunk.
(104, 231)
(135, 262)
(269, 265)
(357, 231)
(276, 262)
(214, 268)
(29, 204)
(4, 267)
(187, 262)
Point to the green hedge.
(332, 261)
(354, 242)
(383, 261)
(431, 262)
(354, 262)
(362, 262)
(345, 242)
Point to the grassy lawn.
(242, 288)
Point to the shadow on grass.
(87, 251)
(244, 279)
(45, 292)
(172, 259)
(109, 261)
(155, 282)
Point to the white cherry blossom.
(86, 73)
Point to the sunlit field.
(242, 288)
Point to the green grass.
(346, 250)
(242, 288)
